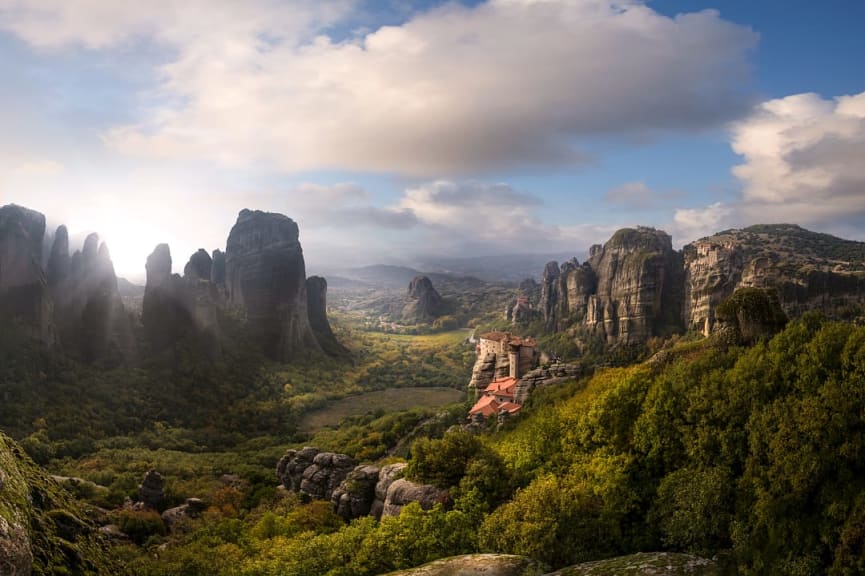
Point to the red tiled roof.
(502, 387)
(509, 407)
(486, 406)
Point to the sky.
(395, 131)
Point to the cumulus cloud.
(802, 163)
(638, 196)
(803, 159)
(452, 90)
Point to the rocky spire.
(199, 267)
(316, 292)
(58, 260)
(266, 278)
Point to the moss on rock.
(42, 529)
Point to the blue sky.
(395, 131)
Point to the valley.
(206, 434)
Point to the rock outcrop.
(639, 287)
(42, 529)
(192, 508)
(313, 473)
(386, 476)
(629, 290)
(355, 495)
(808, 270)
(266, 278)
(402, 492)
(316, 292)
(423, 303)
(199, 267)
(546, 375)
(24, 293)
(635, 286)
(164, 312)
(476, 565)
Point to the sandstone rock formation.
(476, 565)
(164, 313)
(402, 492)
(24, 294)
(313, 473)
(809, 271)
(266, 278)
(750, 314)
(544, 376)
(423, 303)
(199, 267)
(91, 319)
(629, 290)
(639, 287)
(386, 476)
(635, 286)
(316, 292)
(354, 497)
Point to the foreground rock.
(476, 565)
(645, 564)
(402, 492)
(42, 529)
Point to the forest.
(752, 455)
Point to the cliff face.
(629, 290)
(809, 271)
(24, 295)
(638, 292)
(636, 286)
(265, 276)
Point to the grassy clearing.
(390, 400)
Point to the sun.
(130, 237)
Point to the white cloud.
(693, 223)
(804, 160)
(452, 90)
(804, 163)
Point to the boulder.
(326, 473)
(290, 468)
(191, 509)
(402, 492)
(386, 476)
(476, 565)
(355, 495)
